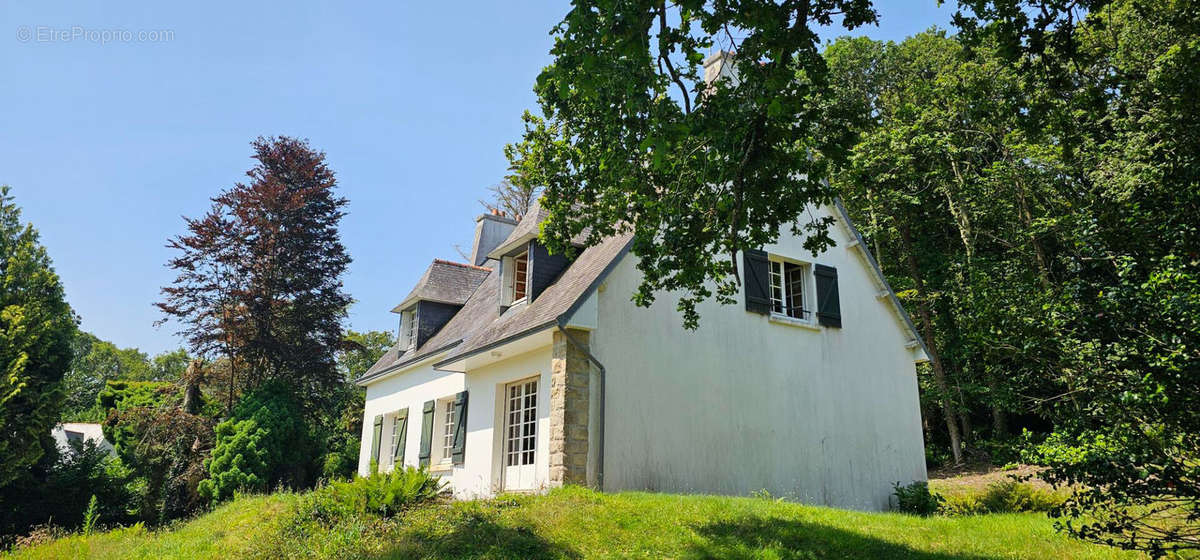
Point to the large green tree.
(36, 326)
(634, 138)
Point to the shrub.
(58, 490)
(385, 494)
(265, 443)
(1007, 496)
(916, 499)
(347, 517)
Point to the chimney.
(490, 231)
(720, 65)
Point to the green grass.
(227, 532)
(577, 523)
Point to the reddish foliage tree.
(259, 275)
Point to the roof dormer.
(440, 293)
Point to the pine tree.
(36, 328)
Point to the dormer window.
(408, 329)
(520, 271)
(516, 278)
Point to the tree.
(259, 275)
(97, 362)
(36, 327)
(633, 139)
(512, 199)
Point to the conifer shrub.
(264, 444)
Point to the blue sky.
(107, 142)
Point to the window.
(521, 439)
(520, 270)
(447, 430)
(397, 430)
(787, 290)
(408, 329)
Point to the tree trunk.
(935, 362)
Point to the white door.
(520, 434)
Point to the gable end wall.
(820, 415)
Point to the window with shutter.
(426, 433)
(399, 436)
(756, 281)
(376, 440)
(459, 446)
(829, 307)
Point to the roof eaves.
(486, 347)
(865, 252)
(405, 363)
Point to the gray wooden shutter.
(426, 433)
(377, 439)
(757, 280)
(402, 425)
(459, 450)
(829, 308)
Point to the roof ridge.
(464, 265)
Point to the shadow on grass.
(759, 537)
(477, 535)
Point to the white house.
(69, 433)
(521, 371)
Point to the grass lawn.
(577, 523)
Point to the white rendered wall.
(479, 475)
(822, 415)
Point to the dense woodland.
(1029, 181)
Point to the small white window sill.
(441, 467)
(794, 322)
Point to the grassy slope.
(576, 523)
(226, 532)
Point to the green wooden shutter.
(757, 280)
(426, 433)
(377, 440)
(402, 425)
(829, 307)
(460, 428)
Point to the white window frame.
(519, 441)
(408, 329)
(510, 278)
(781, 290)
(446, 417)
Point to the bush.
(347, 517)
(1007, 496)
(58, 491)
(916, 499)
(383, 494)
(264, 444)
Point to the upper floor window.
(788, 289)
(408, 329)
(515, 278)
(519, 277)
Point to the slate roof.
(446, 282)
(558, 301)
(479, 324)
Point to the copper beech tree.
(259, 275)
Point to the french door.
(520, 434)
